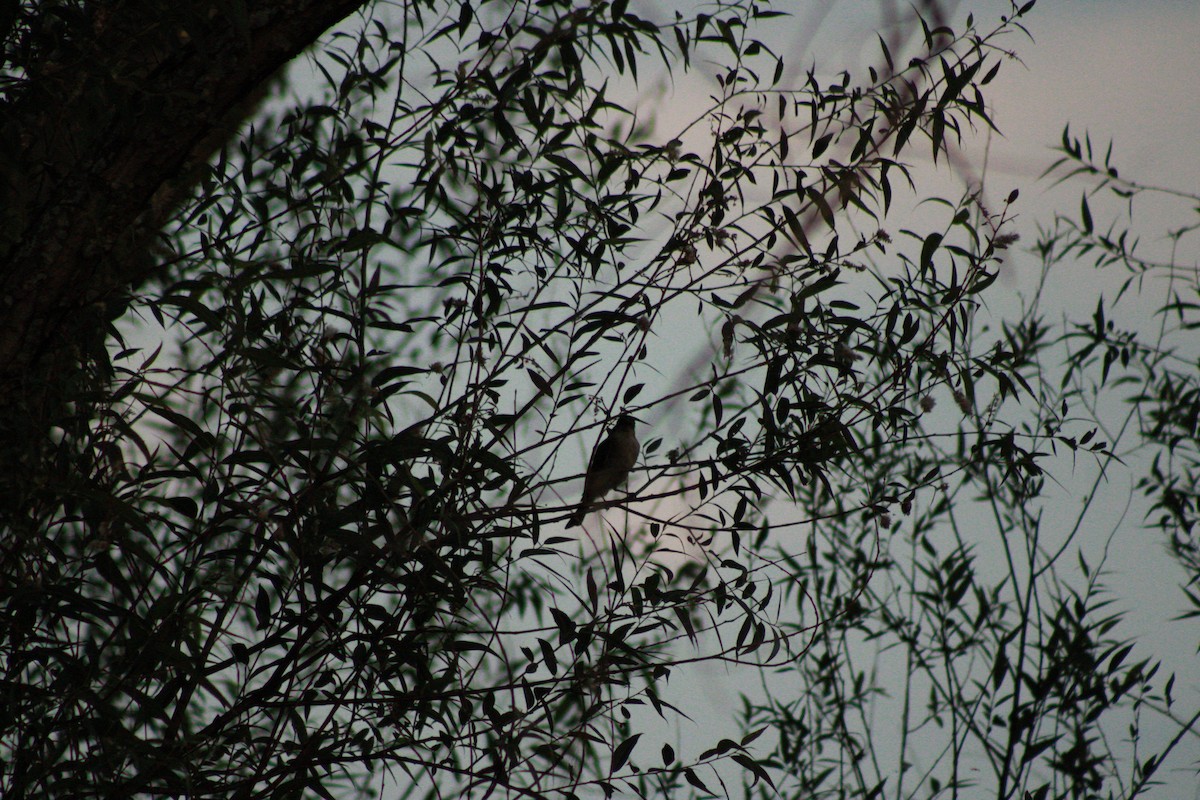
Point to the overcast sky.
(1120, 71)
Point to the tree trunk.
(115, 101)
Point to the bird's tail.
(577, 518)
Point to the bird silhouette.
(609, 467)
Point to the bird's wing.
(602, 458)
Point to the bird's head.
(624, 423)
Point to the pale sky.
(1121, 71)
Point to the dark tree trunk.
(117, 100)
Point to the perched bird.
(609, 467)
